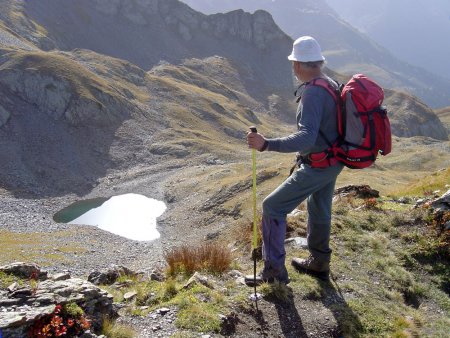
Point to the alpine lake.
(131, 216)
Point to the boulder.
(298, 242)
(360, 191)
(24, 270)
(129, 296)
(197, 278)
(21, 308)
(157, 275)
(442, 203)
(441, 211)
(61, 276)
(110, 275)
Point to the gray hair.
(313, 64)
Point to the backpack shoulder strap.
(324, 83)
(335, 92)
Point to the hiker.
(317, 123)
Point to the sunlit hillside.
(100, 99)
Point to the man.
(317, 123)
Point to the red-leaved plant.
(59, 323)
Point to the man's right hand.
(256, 141)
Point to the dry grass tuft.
(211, 257)
(113, 329)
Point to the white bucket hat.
(306, 49)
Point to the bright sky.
(131, 216)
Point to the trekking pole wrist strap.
(265, 146)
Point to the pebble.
(129, 295)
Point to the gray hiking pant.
(316, 185)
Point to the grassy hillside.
(390, 278)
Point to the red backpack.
(363, 125)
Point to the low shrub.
(68, 320)
(211, 257)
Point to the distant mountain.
(415, 31)
(347, 49)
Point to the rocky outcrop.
(411, 117)
(441, 212)
(360, 191)
(50, 94)
(442, 203)
(59, 88)
(20, 307)
(109, 276)
(24, 270)
(258, 28)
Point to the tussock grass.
(112, 329)
(7, 279)
(198, 316)
(276, 290)
(210, 257)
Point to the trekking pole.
(255, 229)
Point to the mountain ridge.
(347, 50)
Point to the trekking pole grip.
(253, 129)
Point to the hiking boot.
(312, 266)
(267, 276)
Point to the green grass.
(37, 248)
(199, 306)
(436, 181)
(7, 279)
(198, 316)
(383, 251)
(277, 291)
(388, 262)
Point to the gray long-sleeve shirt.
(316, 111)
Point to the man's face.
(298, 71)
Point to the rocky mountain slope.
(93, 113)
(347, 50)
(147, 32)
(410, 117)
(404, 35)
(444, 116)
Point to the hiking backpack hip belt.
(323, 159)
